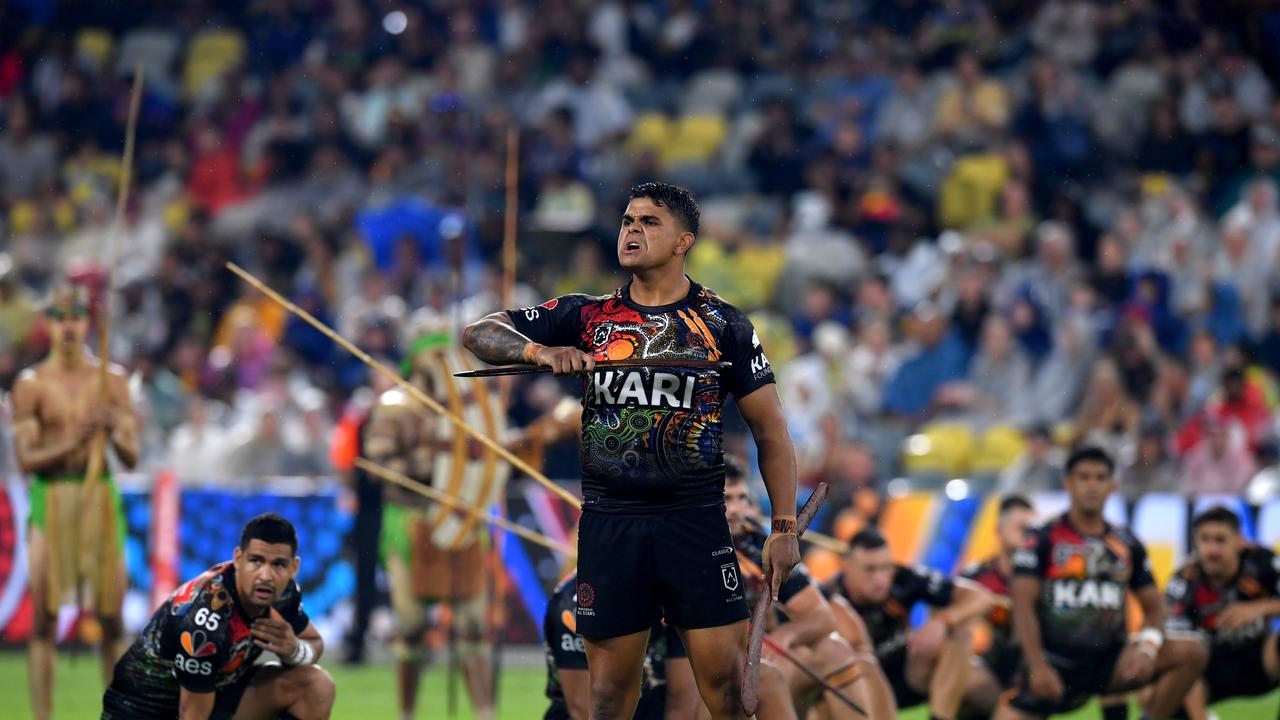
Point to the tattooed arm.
(495, 340)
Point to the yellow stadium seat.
(942, 448)
(970, 193)
(697, 139)
(211, 54)
(650, 131)
(94, 45)
(997, 449)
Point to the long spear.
(99, 499)
(408, 387)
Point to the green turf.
(368, 693)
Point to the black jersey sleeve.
(1032, 560)
(1179, 600)
(203, 644)
(751, 369)
(555, 322)
(567, 649)
(1268, 569)
(921, 584)
(1141, 577)
(292, 611)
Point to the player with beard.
(653, 471)
(1228, 592)
(803, 624)
(1068, 590)
(932, 663)
(995, 670)
(56, 414)
(197, 657)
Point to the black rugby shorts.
(636, 569)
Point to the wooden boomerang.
(755, 638)
(663, 362)
(814, 676)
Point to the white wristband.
(303, 655)
(1152, 636)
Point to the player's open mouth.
(263, 593)
(631, 246)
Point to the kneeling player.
(994, 671)
(1230, 592)
(804, 625)
(933, 662)
(668, 691)
(1069, 610)
(197, 656)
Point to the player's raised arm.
(541, 335)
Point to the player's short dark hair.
(270, 528)
(1014, 502)
(674, 198)
(1090, 454)
(1217, 514)
(868, 539)
(734, 471)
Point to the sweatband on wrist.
(304, 654)
(1152, 636)
(785, 524)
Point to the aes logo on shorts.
(729, 573)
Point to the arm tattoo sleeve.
(495, 342)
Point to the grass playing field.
(368, 693)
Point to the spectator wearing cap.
(938, 360)
(1037, 469)
(1151, 469)
(1220, 462)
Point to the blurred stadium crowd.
(970, 232)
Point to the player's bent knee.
(320, 691)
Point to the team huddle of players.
(1050, 608)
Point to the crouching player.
(803, 626)
(1069, 610)
(996, 669)
(197, 657)
(933, 662)
(1229, 592)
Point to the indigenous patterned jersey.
(1194, 603)
(199, 640)
(1083, 583)
(889, 622)
(989, 575)
(565, 649)
(750, 548)
(651, 436)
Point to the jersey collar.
(625, 292)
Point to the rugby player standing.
(1230, 593)
(653, 522)
(1069, 609)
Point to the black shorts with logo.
(1084, 673)
(636, 569)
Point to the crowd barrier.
(174, 534)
